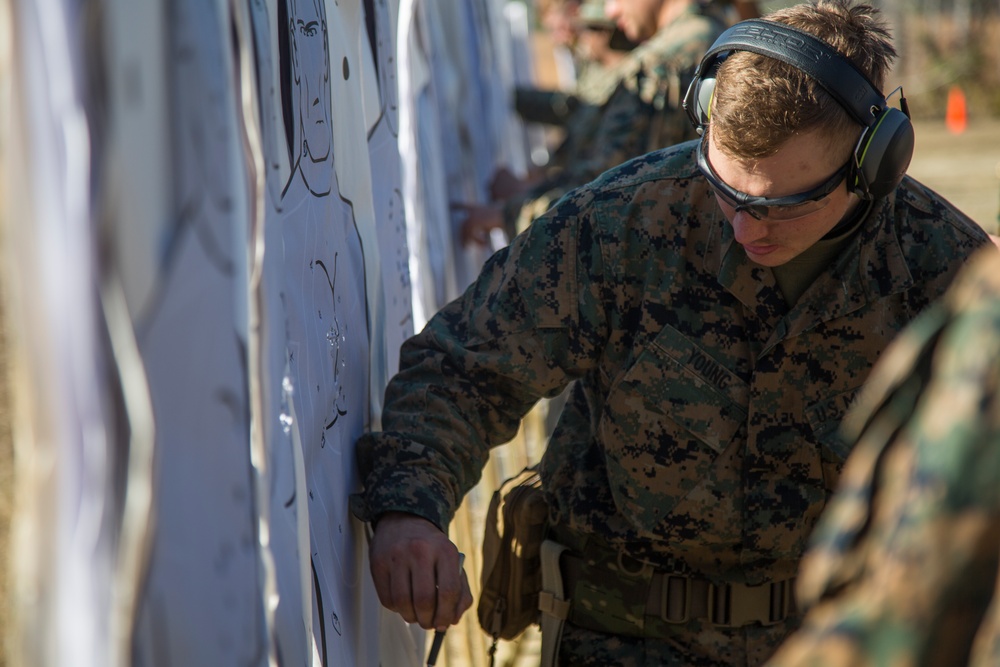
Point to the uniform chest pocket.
(825, 419)
(665, 422)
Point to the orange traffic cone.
(956, 116)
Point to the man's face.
(803, 162)
(638, 19)
(559, 21)
(312, 76)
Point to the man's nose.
(748, 229)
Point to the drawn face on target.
(311, 94)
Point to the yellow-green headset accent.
(883, 152)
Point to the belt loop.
(780, 598)
(671, 600)
(719, 604)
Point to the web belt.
(673, 599)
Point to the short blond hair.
(759, 102)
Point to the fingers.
(424, 591)
(402, 564)
(417, 573)
(505, 184)
(452, 585)
(478, 223)
(471, 233)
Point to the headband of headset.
(885, 148)
(836, 74)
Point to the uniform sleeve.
(552, 107)
(904, 562)
(532, 322)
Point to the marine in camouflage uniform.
(600, 72)
(903, 565)
(701, 436)
(700, 442)
(596, 75)
(642, 111)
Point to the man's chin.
(318, 159)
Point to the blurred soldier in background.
(903, 565)
(743, 9)
(597, 47)
(600, 49)
(643, 111)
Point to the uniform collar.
(872, 266)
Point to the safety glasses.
(776, 208)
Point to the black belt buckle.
(738, 605)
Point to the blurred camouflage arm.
(552, 107)
(904, 561)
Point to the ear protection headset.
(883, 153)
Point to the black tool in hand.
(439, 634)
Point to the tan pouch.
(512, 573)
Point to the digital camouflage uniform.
(701, 433)
(643, 112)
(904, 562)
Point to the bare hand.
(417, 573)
(505, 184)
(479, 221)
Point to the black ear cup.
(695, 106)
(883, 154)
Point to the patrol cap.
(592, 15)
